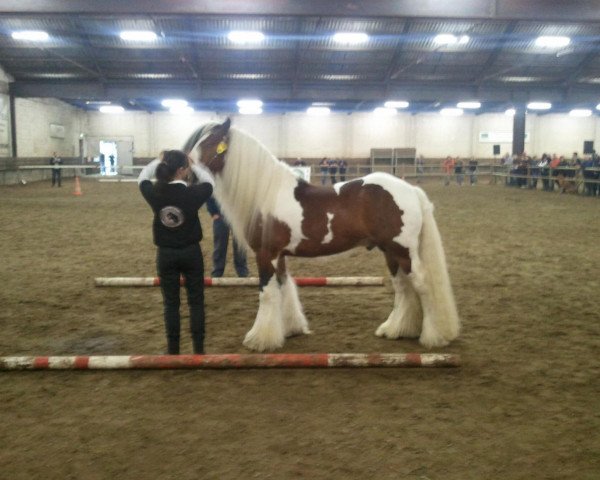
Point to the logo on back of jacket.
(171, 217)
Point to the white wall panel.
(564, 135)
(372, 131)
(33, 119)
(439, 136)
(313, 136)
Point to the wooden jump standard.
(239, 282)
(233, 361)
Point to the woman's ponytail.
(171, 161)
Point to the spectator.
(333, 167)
(102, 164)
(473, 171)
(299, 163)
(448, 168)
(459, 172)
(324, 168)
(554, 165)
(508, 161)
(589, 176)
(520, 171)
(221, 230)
(343, 165)
(56, 162)
(543, 169)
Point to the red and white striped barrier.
(233, 361)
(241, 282)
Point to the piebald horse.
(276, 214)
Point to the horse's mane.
(248, 187)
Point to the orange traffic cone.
(77, 186)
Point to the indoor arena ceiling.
(495, 59)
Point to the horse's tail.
(433, 259)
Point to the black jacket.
(175, 207)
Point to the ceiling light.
(463, 39)
(598, 107)
(340, 77)
(350, 38)
(469, 105)
(396, 104)
(445, 39)
(174, 103)
(385, 112)
(111, 109)
(246, 36)
(539, 106)
(580, 112)
(546, 41)
(138, 36)
(249, 103)
(250, 110)
(31, 35)
(181, 110)
(318, 111)
(510, 112)
(451, 112)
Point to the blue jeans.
(56, 177)
(221, 240)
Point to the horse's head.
(212, 146)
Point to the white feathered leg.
(431, 336)
(267, 332)
(405, 318)
(294, 320)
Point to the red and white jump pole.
(233, 361)
(241, 282)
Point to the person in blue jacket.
(177, 234)
(221, 230)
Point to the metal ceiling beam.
(534, 10)
(282, 91)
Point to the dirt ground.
(525, 404)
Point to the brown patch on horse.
(362, 215)
(270, 237)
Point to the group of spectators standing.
(330, 167)
(455, 166)
(524, 171)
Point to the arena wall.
(296, 135)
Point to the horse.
(275, 214)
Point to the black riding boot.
(173, 345)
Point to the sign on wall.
(57, 131)
(498, 137)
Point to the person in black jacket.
(56, 161)
(177, 233)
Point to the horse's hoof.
(254, 344)
(382, 332)
(297, 333)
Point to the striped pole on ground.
(241, 282)
(233, 361)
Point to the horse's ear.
(220, 131)
(226, 124)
